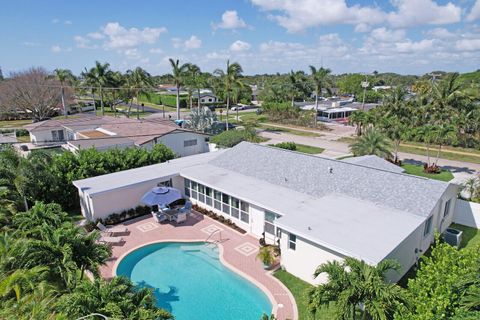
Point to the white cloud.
(155, 50)
(193, 43)
(230, 20)
(385, 35)
(67, 22)
(468, 45)
(55, 20)
(475, 12)
(84, 43)
(278, 46)
(411, 46)
(132, 53)
(58, 49)
(121, 37)
(439, 33)
(30, 44)
(420, 12)
(96, 35)
(240, 46)
(298, 15)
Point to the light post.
(364, 85)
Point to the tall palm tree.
(295, 80)
(178, 74)
(372, 142)
(140, 82)
(65, 77)
(98, 77)
(229, 78)
(354, 287)
(193, 72)
(236, 94)
(321, 80)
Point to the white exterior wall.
(101, 205)
(44, 135)
(304, 260)
(467, 214)
(257, 220)
(175, 142)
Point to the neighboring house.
(103, 133)
(317, 209)
(205, 98)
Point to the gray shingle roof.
(311, 175)
(374, 162)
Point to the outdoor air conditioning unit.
(453, 237)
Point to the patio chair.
(186, 208)
(111, 240)
(111, 230)
(181, 217)
(159, 217)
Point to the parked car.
(239, 107)
(218, 127)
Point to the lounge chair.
(159, 217)
(111, 230)
(111, 240)
(181, 217)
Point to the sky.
(264, 36)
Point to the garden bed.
(219, 218)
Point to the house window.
(292, 241)
(201, 193)
(208, 196)
(226, 206)
(187, 187)
(190, 143)
(244, 216)
(447, 208)
(210, 99)
(269, 218)
(57, 135)
(235, 207)
(167, 183)
(428, 227)
(218, 199)
(194, 190)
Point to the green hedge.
(286, 145)
(165, 99)
(230, 138)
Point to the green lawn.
(309, 149)
(290, 131)
(417, 170)
(473, 158)
(471, 236)
(14, 123)
(299, 289)
(160, 107)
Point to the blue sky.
(265, 36)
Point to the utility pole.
(365, 85)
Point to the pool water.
(190, 282)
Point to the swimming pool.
(190, 282)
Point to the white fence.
(467, 213)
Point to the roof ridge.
(347, 163)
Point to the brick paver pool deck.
(237, 251)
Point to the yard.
(471, 236)
(299, 290)
(417, 170)
(290, 131)
(14, 123)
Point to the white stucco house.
(106, 132)
(205, 98)
(317, 209)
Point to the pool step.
(208, 252)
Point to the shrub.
(230, 138)
(286, 145)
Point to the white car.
(239, 107)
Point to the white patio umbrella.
(161, 196)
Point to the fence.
(467, 213)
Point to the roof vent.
(309, 228)
(330, 170)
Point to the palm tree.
(295, 83)
(396, 131)
(139, 81)
(201, 120)
(354, 287)
(358, 118)
(193, 72)
(229, 78)
(98, 77)
(236, 94)
(178, 74)
(321, 79)
(444, 134)
(65, 76)
(372, 142)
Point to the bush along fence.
(116, 218)
(219, 218)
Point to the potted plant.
(266, 256)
